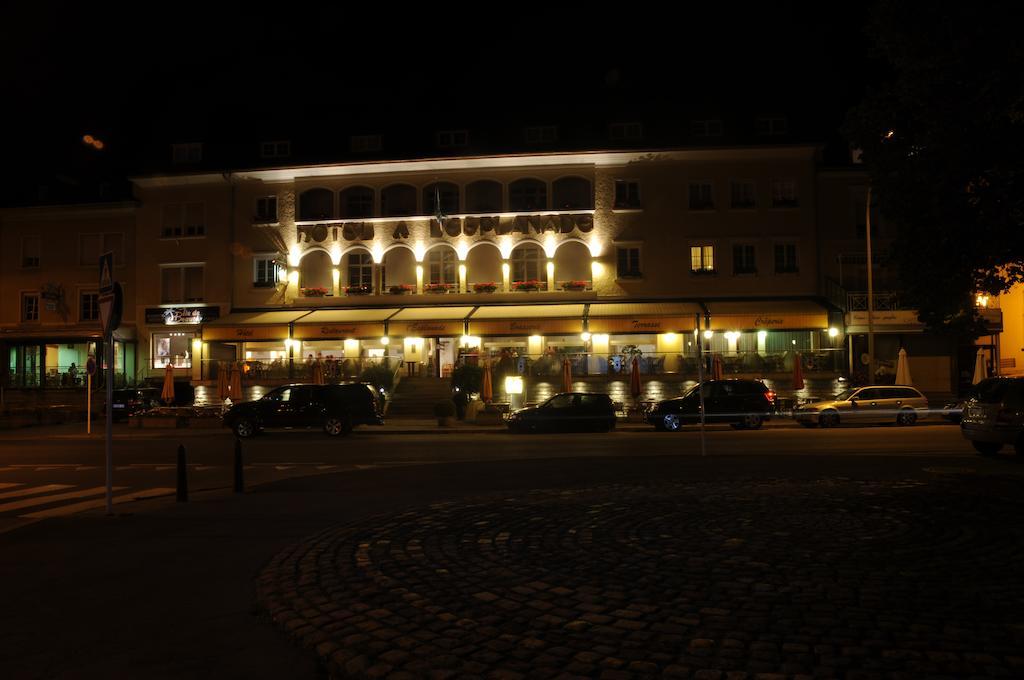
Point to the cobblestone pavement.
(773, 579)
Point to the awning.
(527, 320)
(642, 317)
(341, 324)
(63, 334)
(429, 321)
(755, 315)
(252, 326)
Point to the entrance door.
(444, 357)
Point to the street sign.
(111, 308)
(107, 273)
(90, 365)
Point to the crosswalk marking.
(34, 490)
(44, 500)
(89, 505)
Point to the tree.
(942, 136)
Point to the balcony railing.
(882, 301)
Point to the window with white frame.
(702, 259)
(626, 131)
(88, 306)
(442, 265)
(266, 209)
(627, 194)
(31, 247)
(541, 134)
(451, 138)
(276, 149)
(770, 125)
(360, 270)
(364, 143)
(627, 265)
(711, 127)
(183, 220)
(191, 152)
(785, 258)
(742, 195)
(30, 306)
(91, 246)
(528, 263)
(744, 259)
(784, 193)
(265, 271)
(702, 196)
(180, 283)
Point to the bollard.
(182, 475)
(239, 480)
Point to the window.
(266, 209)
(184, 220)
(450, 138)
(360, 270)
(785, 258)
(483, 196)
(30, 306)
(770, 126)
(31, 246)
(706, 128)
(186, 153)
(91, 246)
(741, 195)
(527, 195)
(364, 143)
(280, 149)
(627, 194)
(442, 265)
(626, 131)
(784, 193)
(702, 196)
(398, 200)
(702, 259)
(316, 204)
(541, 134)
(181, 283)
(744, 259)
(357, 202)
(627, 263)
(265, 272)
(441, 197)
(528, 264)
(572, 193)
(88, 306)
(173, 349)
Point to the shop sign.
(338, 330)
(425, 329)
(245, 333)
(526, 327)
(666, 324)
(891, 317)
(181, 316)
(768, 321)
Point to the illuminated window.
(174, 349)
(702, 259)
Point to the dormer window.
(280, 149)
(191, 152)
(706, 128)
(364, 143)
(452, 138)
(625, 131)
(541, 134)
(770, 126)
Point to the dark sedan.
(566, 412)
(744, 404)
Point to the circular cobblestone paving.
(769, 579)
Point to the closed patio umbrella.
(980, 368)
(318, 372)
(798, 372)
(222, 381)
(566, 375)
(167, 395)
(634, 379)
(486, 390)
(903, 369)
(716, 367)
(236, 382)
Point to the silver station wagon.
(876, 404)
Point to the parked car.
(898, 404)
(953, 410)
(133, 400)
(565, 412)
(994, 416)
(744, 404)
(335, 408)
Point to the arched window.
(528, 264)
(572, 193)
(316, 204)
(448, 194)
(356, 202)
(442, 263)
(398, 200)
(483, 196)
(527, 195)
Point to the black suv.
(335, 408)
(744, 404)
(994, 415)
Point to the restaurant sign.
(526, 327)
(181, 316)
(769, 321)
(270, 332)
(425, 329)
(337, 331)
(654, 324)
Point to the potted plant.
(400, 289)
(445, 412)
(437, 287)
(532, 284)
(488, 287)
(358, 290)
(574, 285)
(315, 291)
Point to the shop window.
(628, 263)
(527, 195)
(784, 193)
(785, 258)
(744, 260)
(627, 194)
(91, 246)
(31, 247)
(443, 265)
(702, 259)
(528, 264)
(742, 195)
(30, 306)
(266, 209)
(572, 193)
(181, 283)
(702, 196)
(483, 196)
(360, 270)
(441, 197)
(89, 306)
(357, 202)
(172, 348)
(183, 220)
(265, 272)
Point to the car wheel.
(337, 425)
(752, 421)
(988, 448)
(671, 422)
(244, 428)
(906, 417)
(828, 419)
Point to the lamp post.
(871, 292)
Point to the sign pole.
(110, 422)
(700, 378)
(88, 403)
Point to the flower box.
(313, 292)
(401, 289)
(531, 285)
(489, 287)
(358, 290)
(437, 287)
(575, 285)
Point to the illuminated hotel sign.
(181, 316)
